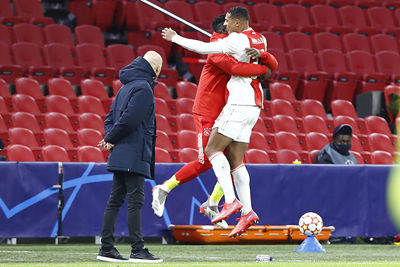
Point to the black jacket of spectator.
(130, 124)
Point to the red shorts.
(203, 127)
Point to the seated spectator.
(337, 152)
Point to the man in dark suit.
(130, 136)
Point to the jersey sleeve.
(233, 67)
(198, 46)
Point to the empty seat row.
(325, 40)
(24, 11)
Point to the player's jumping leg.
(241, 179)
(210, 207)
(221, 167)
(185, 174)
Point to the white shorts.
(237, 121)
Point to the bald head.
(155, 60)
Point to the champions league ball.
(310, 224)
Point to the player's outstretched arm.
(233, 67)
(191, 44)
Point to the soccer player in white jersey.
(232, 129)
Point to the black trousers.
(131, 184)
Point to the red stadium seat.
(161, 91)
(280, 90)
(5, 92)
(91, 121)
(286, 156)
(339, 3)
(327, 40)
(186, 89)
(26, 120)
(162, 155)
(6, 14)
(59, 137)
(296, 15)
(119, 56)
(381, 157)
(104, 13)
(92, 87)
(260, 126)
(181, 9)
(29, 56)
(63, 87)
(381, 18)
(284, 74)
(163, 141)
(28, 86)
(184, 105)
(162, 107)
(89, 34)
(314, 123)
(162, 123)
(377, 141)
(144, 17)
(324, 16)
(384, 42)
(284, 123)
(206, 12)
(5, 34)
(387, 64)
(91, 58)
(83, 12)
(316, 141)
(275, 40)
(343, 107)
(355, 18)
(59, 121)
(22, 136)
(8, 70)
(89, 137)
(356, 41)
(282, 107)
(188, 154)
(185, 122)
(58, 103)
(304, 61)
(375, 124)
(55, 153)
(116, 85)
(3, 129)
(29, 33)
(267, 15)
(91, 104)
(258, 141)
(168, 76)
(186, 138)
(360, 159)
(287, 140)
(295, 40)
(58, 33)
(313, 156)
(32, 11)
(59, 57)
(256, 156)
(90, 154)
(25, 103)
(19, 153)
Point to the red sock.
(191, 170)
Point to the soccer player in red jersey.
(209, 101)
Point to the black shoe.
(143, 255)
(110, 256)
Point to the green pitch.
(204, 255)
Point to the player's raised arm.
(191, 44)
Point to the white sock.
(242, 184)
(223, 172)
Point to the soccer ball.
(310, 224)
